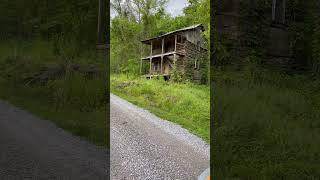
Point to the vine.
(176, 75)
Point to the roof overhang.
(148, 41)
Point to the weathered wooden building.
(183, 48)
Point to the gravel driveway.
(144, 146)
(31, 148)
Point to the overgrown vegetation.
(266, 125)
(266, 117)
(137, 20)
(179, 100)
(36, 80)
(185, 104)
(49, 65)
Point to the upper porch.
(165, 46)
(171, 46)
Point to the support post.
(151, 60)
(161, 64)
(162, 54)
(175, 43)
(150, 65)
(175, 50)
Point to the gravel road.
(144, 146)
(31, 148)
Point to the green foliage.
(186, 104)
(205, 70)
(79, 92)
(199, 12)
(125, 43)
(39, 42)
(266, 124)
(67, 97)
(316, 49)
(136, 20)
(222, 54)
(266, 121)
(301, 28)
(316, 40)
(30, 19)
(254, 25)
(176, 74)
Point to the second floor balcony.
(166, 46)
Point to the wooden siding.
(194, 36)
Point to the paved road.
(146, 147)
(31, 148)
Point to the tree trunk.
(101, 23)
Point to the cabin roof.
(147, 41)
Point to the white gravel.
(171, 128)
(143, 146)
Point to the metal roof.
(172, 32)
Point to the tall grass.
(185, 104)
(72, 100)
(266, 126)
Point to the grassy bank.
(34, 78)
(184, 104)
(266, 125)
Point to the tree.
(101, 22)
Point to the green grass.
(73, 102)
(185, 104)
(266, 125)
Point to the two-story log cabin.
(181, 47)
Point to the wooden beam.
(162, 54)
(162, 46)
(159, 55)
